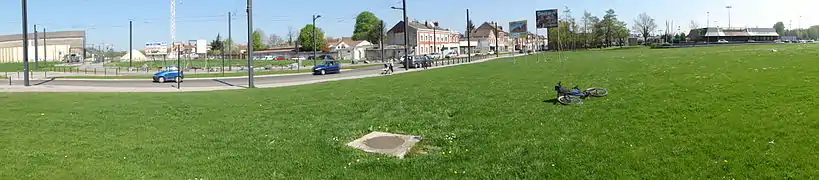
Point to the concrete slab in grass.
(397, 145)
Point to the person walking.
(392, 67)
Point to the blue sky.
(107, 20)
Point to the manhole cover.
(384, 142)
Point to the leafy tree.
(589, 22)
(217, 45)
(306, 38)
(367, 27)
(470, 27)
(683, 37)
(608, 26)
(644, 25)
(258, 42)
(780, 28)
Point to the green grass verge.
(19, 67)
(212, 75)
(739, 112)
(214, 63)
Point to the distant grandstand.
(733, 34)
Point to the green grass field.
(18, 67)
(739, 112)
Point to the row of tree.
(590, 32)
(809, 33)
(367, 27)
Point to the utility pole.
(36, 49)
(179, 66)
(315, 39)
(497, 52)
(223, 48)
(130, 44)
(250, 44)
(25, 44)
(406, 35)
(434, 37)
(381, 40)
(45, 48)
(230, 34)
(468, 39)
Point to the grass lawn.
(739, 112)
(18, 67)
(215, 63)
(211, 75)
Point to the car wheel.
(161, 80)
(322, 72)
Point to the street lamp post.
(315, 39)
(249, 44)
(729, 14)
(406, 37)
(131, 44)
(36, 49)
(25, 44)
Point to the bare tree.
(694, 25)
(644, 24)
(274, 40)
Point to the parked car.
(722, 41)
(435, 55)
(322, 57)
(280, 58)
(751, 41)
(451, 55)
(330, 66)
(168, 73)
(491, 52)
(417, 61)
(299, 58)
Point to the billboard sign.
(201, 46)
(546, 18)
(518, 28)
(156, 48)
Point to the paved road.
(239, 82)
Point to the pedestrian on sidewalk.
(392, 67)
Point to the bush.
(660, 45)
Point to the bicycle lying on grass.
(575, 96)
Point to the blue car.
(168, 73)
(331, 66)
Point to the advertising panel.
(518, 28)
(156, 48)
(546, 18)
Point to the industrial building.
(733, 34)
(53, 46)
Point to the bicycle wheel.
(597, 92)
(569, 100)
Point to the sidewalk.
(47, 88)
(48, 75)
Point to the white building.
(351, 50)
